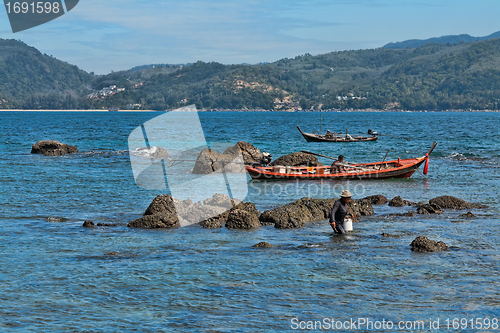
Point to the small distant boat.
(377, 170)
(114, 109)
(336, 137)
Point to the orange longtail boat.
(400, 168)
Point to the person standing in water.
(339, 212)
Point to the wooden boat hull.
(379, 170)
(321, 138)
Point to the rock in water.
(88, 224)
(221, 219)
(160, 220)
(209, 161)
(250, 153)
(161, 213)
(52, 148)
(263, 244)
(161, 204)
(449, 202)
(468, 214)
(240, 219)
(398, 202)
(429, 209)
(232, 160)
(360, 207)
(293, 215)
(423, 244)
(297, 159)
(377, 199)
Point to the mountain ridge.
(451, 39)
(430, 77)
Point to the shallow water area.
(57, 276)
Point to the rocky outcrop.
(399, 202)
(250, 153)
(423, 244)
(360, 207)
(297, 159)
(429, 209)
(156, 221)
(377, 199)
(449, 202)
(241, 219)
(232, 160)
(161, 204)
(263, 245)
(53, 148)
(221, 219)
(167, 212)
(295, 214)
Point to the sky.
(103, 36)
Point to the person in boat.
(339, 212)
(328, 134)
(338, 166)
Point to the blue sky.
(101, 36)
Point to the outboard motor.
(266, 159)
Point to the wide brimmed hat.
(346, 194)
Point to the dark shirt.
(337, 167)
(339, 211)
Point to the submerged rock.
(389, 235)
(52, 148)
(241, 219)
(468, 215)
(263, 244)
(423, 244)
(449, 202)
(88, 224)
(107, 225)
(297, 159)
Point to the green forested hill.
(430, 77)
(29, 78)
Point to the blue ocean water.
(55, 275)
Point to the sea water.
(56, 276)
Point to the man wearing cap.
(339, 212)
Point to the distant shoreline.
(295, 111)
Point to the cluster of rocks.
(53, 148)
(436, 205)
(167, 212)
(220, 211)
(235, 158)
